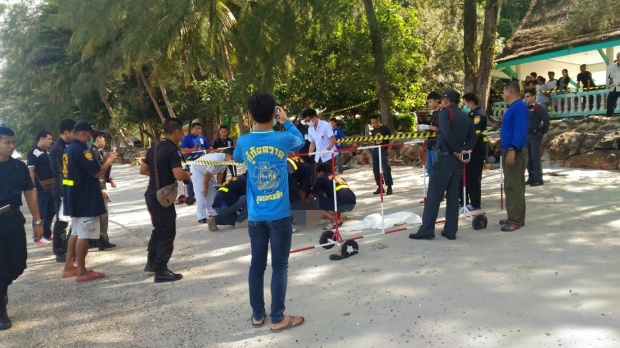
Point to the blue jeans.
(47, 209)
(227, 215)
(339, 163)
(279, 233)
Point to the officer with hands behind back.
(455, 137)
(14, 179)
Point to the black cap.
(85, 126)
(433, 95)
(451, 94)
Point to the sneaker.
(330, 226)
(41, 241)
(294, 229)
(202, 221)
(211, 224)
(471, 207)
(49, 239)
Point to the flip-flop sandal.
(91, 275)
(260, 323)
(289, 325)
(69, 274)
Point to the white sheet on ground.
(373, 221)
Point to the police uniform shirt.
(40, 160)
(105, 177)
(168, 158)
(230, 191)
(14, 179)
(456, 133)
(220, 143)
(83, 197)
(430, 144)
(383, 130)
(298, 177)
(55, 156)
(480, 125)
(324, 184)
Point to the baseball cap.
(451, 94)
(85, 126)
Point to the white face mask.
(304, 123)
(310, 123)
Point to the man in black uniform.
(455, 136)
(224, 141)
(41, 172)
(537, 128)
(230, 202)
(103, 243)
(379, 129)
(14, 179)
(302, 127)
(168, 170)
(83, 200)
(59, 232)
(478, 155)
(345, 197)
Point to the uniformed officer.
(83, 200)
(299, 184)
(103, 243)
(537, 128)
(222, 142)
(345, 198)
(38, 162)
(14, 179)
(473, 173)
(60, 227)
(230, 202)
(163, 165)
(455, 136)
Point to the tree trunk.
(241, 116)
(150, 92)
(167, 101)
(470, 38)
(127, 141)
(379, 60)
(487, 51)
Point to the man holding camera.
(455, 137)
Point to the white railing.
(571, 104)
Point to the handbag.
(167, 194)
(46, 184)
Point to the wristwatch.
(38, 222)
(511, 148)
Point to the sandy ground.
(553, 283)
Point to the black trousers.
(534, 163)
(612, 98)
(59, 244)
(446, 178)
(164, 231)
(387, 170)
(13, 252)
(473, 174)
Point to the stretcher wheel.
(349, 248)
(190, 200)
(479, 222)
(181, 199)
(325, 239)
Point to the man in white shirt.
(552, 83)
(321, 137)
(613, 81)
(204, 177)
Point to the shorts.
(327, 203)
(85, 227)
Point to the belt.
(12, 211)
(338, 188)
(446, 153)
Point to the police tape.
(212, 163)
(412, 135)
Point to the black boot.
(378, 191)
(150, 266)
(5, 322)
(163, 274)
(389, 190)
